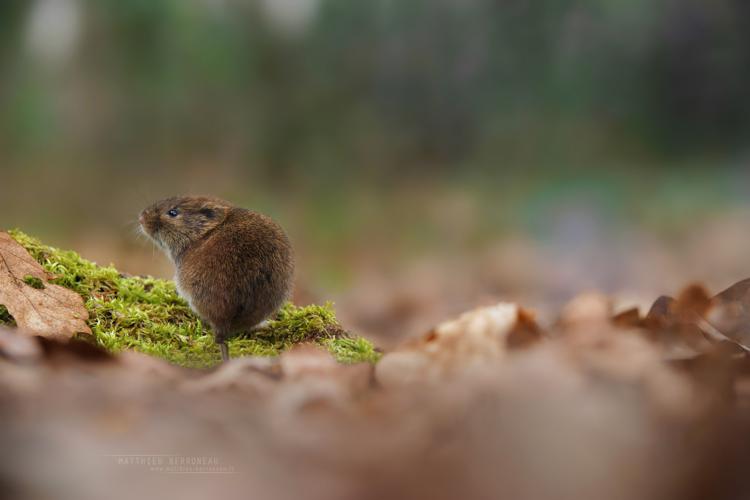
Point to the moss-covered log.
(147, 314)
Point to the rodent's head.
(175, 223)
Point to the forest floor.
(598, 402)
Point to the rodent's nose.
(141, 219)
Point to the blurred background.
(426, 156)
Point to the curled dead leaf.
(731, 313)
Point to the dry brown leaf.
(679, 325)
(706, 322)
(526, 331)
(658, 316)
(39, 308)
(585, 310)
(248, 375)
(18, 347)
(693, 300)
(630, 318)
(731, 315)
(468, 343)
(312, 382)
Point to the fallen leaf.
(468, 343)
(731, 315)
(18, 347)
(526, 332)
(248, 375)
(630, 318)
(586, 309)
(39, 307)
(658, 315)
(313, 382)
(738, 292)
(693, 300)
(73, 351)
(679, 325)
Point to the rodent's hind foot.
(262, 326)
(224, 351)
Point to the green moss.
(147, 315)
(34, 282)
(5, 317)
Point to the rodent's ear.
(209, 213)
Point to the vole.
(234, 266)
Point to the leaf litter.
(598, 404)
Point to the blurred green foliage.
(391, 86)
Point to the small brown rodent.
(234, 266)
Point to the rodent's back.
(240, 272)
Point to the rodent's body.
(234, 266)
(239, 274)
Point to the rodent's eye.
(173, 212)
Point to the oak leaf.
(38, 306)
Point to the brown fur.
(234, 266)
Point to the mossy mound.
(147, 315)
